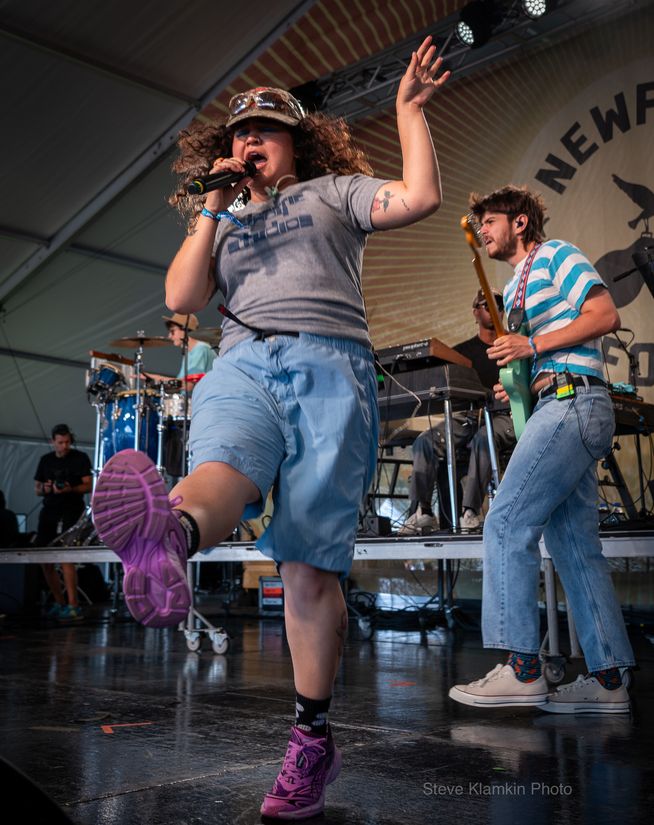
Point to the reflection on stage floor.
(121, 724)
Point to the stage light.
(476, 21)
(534, 8)
(465, 33)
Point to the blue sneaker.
(70, 614)
(134, 518)
(55, 611)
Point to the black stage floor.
(123, 725)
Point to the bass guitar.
(516, 374)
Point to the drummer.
(200, 355)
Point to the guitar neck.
(488, 295)
(481, 275)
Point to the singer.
(291, 403)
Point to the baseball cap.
(265, 102)
(180, 320)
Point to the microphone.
(219, 180)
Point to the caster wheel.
(553, 673)
(220, 643)
(193, 641)
(366, 629)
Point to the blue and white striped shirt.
(558, 284)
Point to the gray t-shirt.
(296, 265)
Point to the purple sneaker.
(134, 518)
(310, 764)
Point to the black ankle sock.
(190, 527)
(526, 666)
(609, 678)
(311, 715)
(425, 509)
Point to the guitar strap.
(517, 314)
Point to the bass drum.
(120, 423)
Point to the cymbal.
(146, 341)
(210, 335)
(112, 356)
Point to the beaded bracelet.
(216, 216)
(533, 347)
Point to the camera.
(60, 485)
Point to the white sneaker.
(501, 688)
(470, 520)
(418, 524)
(586, 695)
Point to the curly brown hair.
(511, 201)
(322, 145)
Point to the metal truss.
(370, 85)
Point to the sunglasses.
(274, 100)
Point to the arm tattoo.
(384, 203)
(404, 204)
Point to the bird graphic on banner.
(641, 196)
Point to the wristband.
(533, 347)
(216, 216)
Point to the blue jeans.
(550, 489)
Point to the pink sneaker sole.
(133, 517)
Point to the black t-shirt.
(70, 468)
(475, 349)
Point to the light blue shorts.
(298, 415)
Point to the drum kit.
(134, 411)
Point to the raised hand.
(420, 81)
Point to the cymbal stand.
(160, 429)
(185, 390)
(139, 407)
(98, 449)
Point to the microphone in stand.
(219, 180)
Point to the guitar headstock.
(472, 229)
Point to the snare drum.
(173, 406)
(120, 422)
(105, 379)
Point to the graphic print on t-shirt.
(259, 227)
